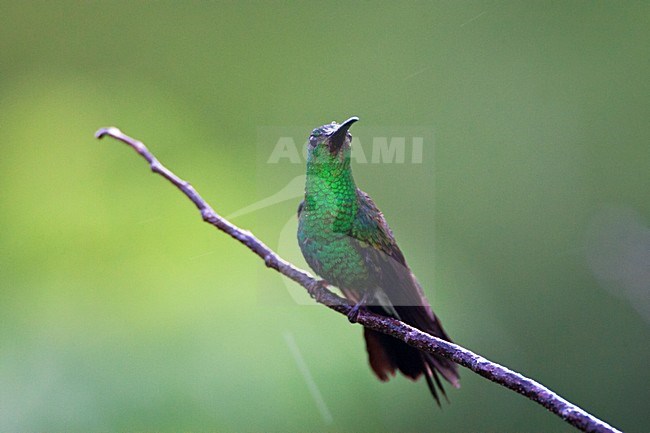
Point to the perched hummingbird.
(347, 242)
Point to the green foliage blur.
(121, 311)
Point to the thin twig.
(412, 336)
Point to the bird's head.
(330, 144)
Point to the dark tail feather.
(387, 354)
(432, 388)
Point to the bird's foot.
(313, 289)
(353, 315)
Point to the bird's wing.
(404, 299)
(375, 242)
(300, 206)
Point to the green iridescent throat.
(328, 216)
(330, 187)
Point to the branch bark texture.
(317, 289)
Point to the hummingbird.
(345, 239)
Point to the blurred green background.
(121, 311)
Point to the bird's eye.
(313, 140)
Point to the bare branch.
(317, 289)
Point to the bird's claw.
(353, 315)
(313, 289)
